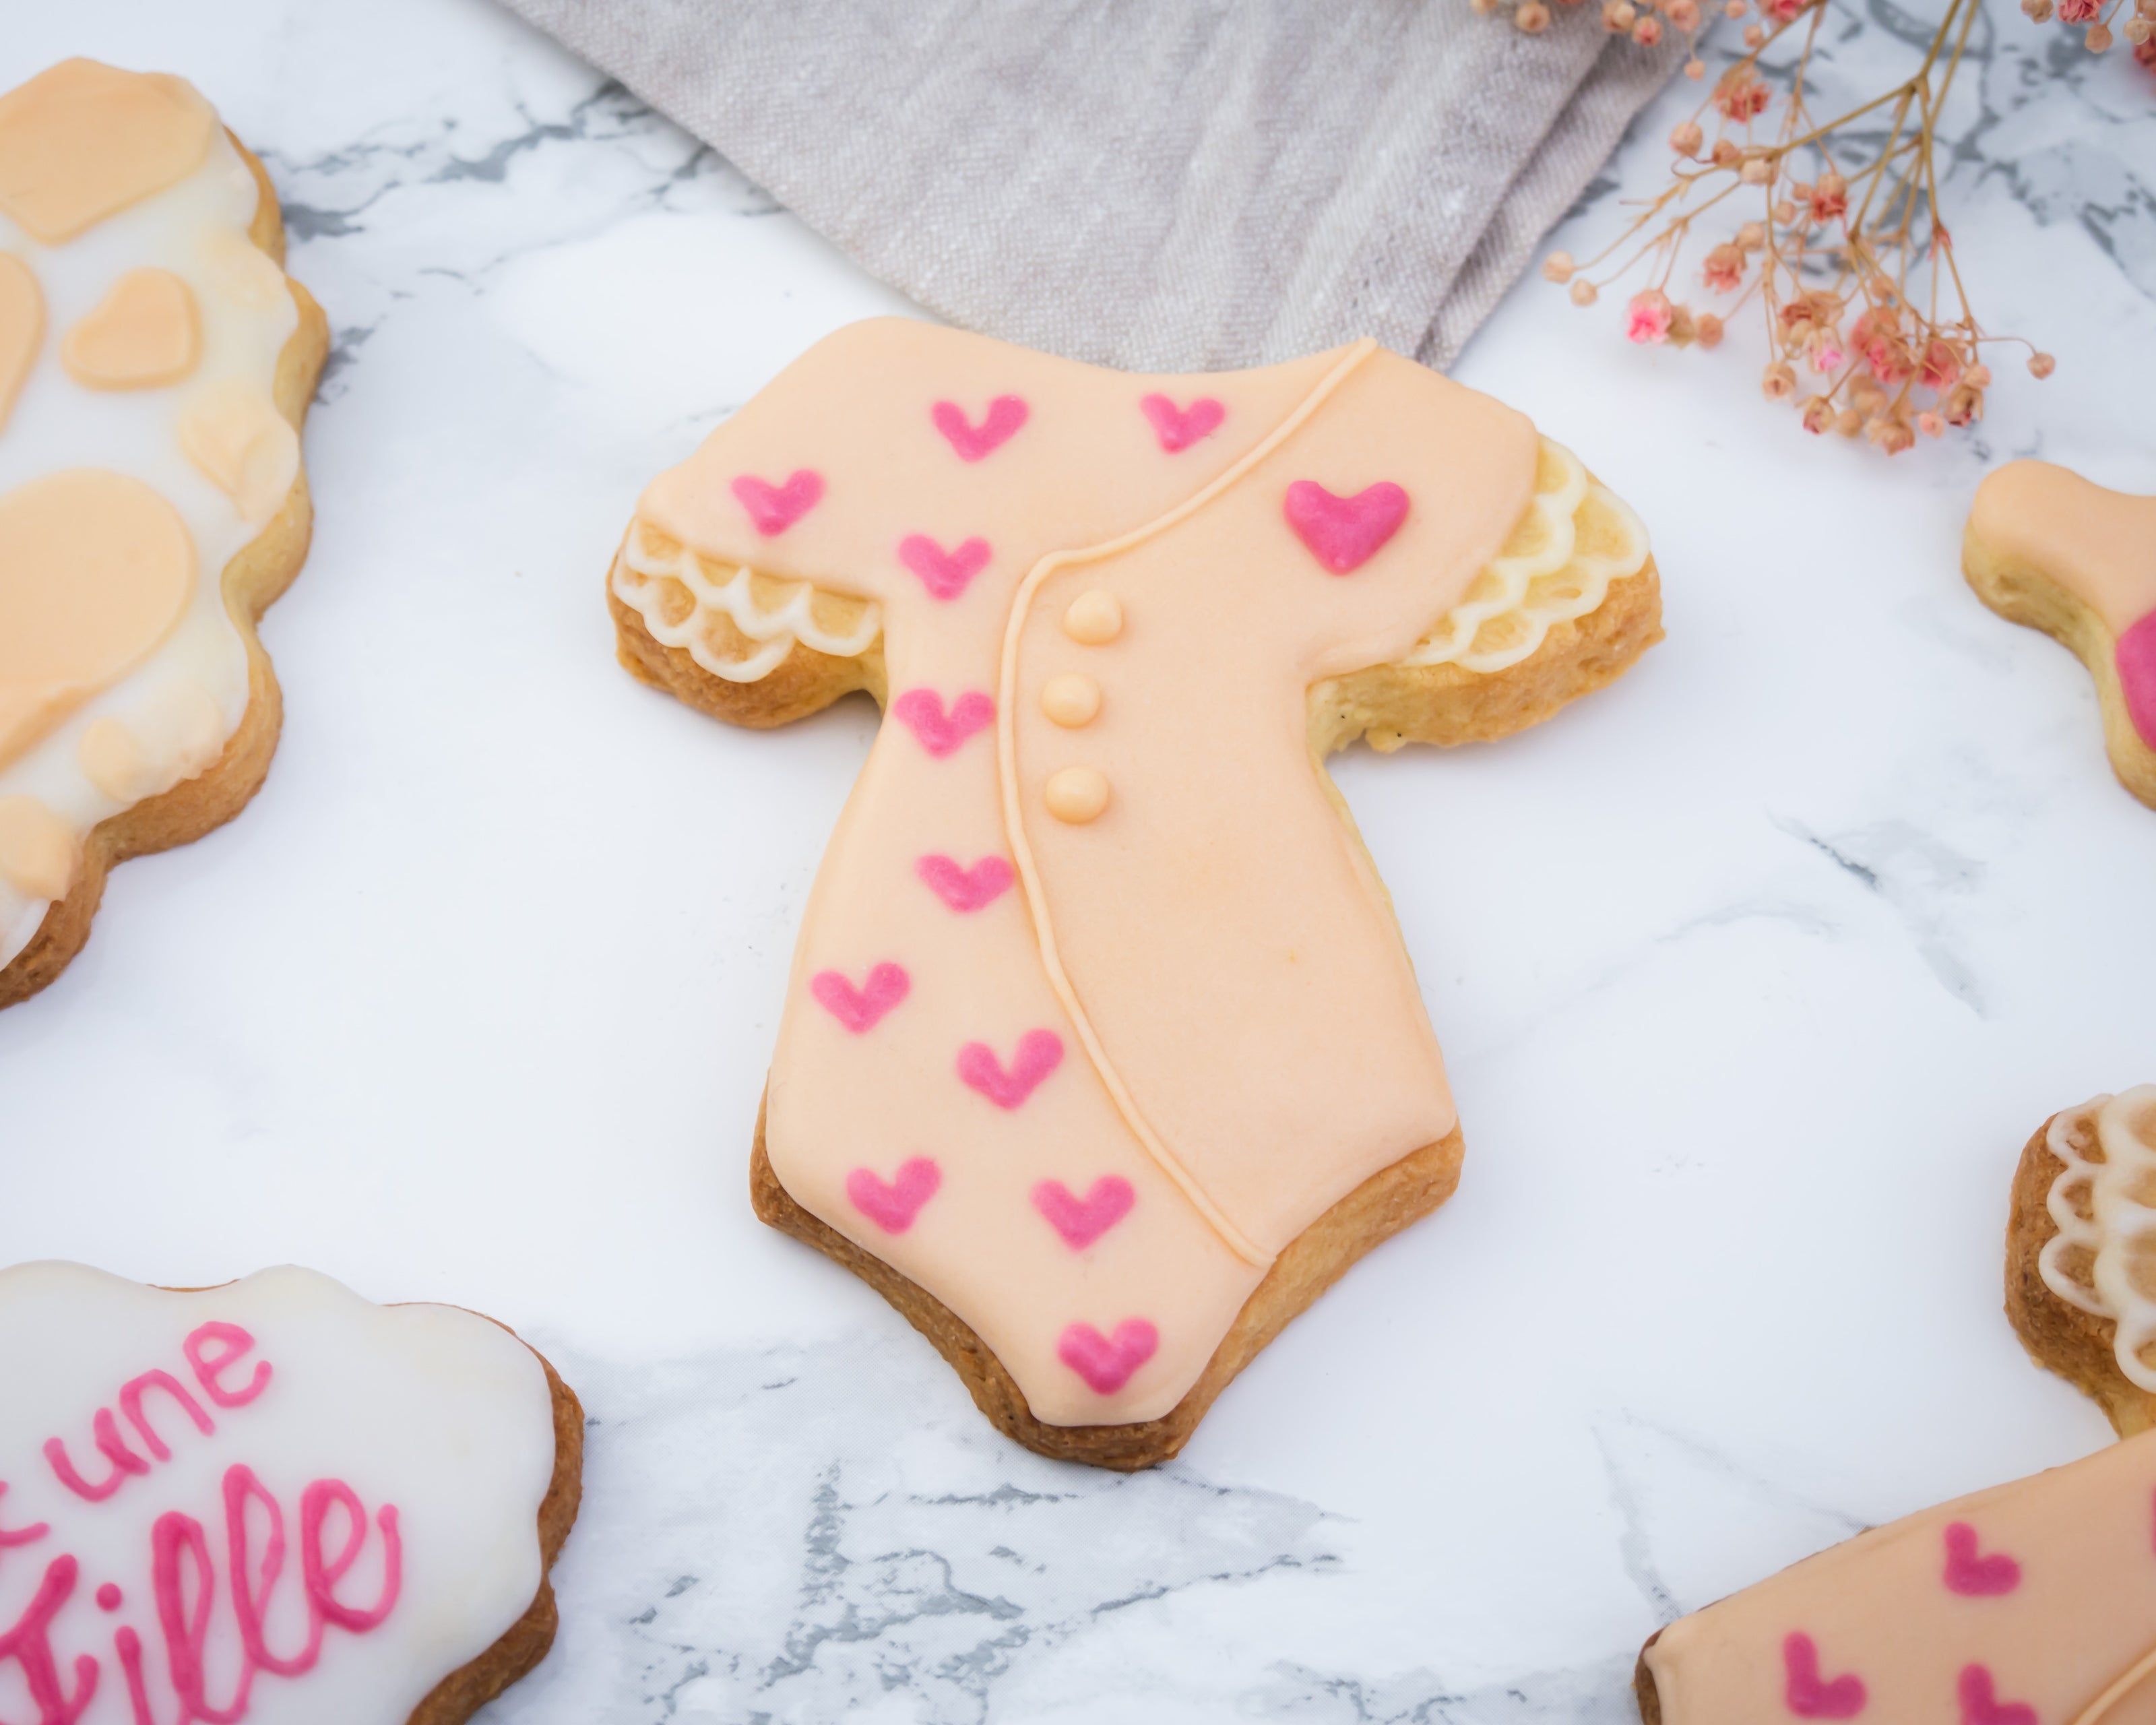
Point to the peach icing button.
(95, 569)
(1070, 700)
(112, 758)
(1075, 795)
(242, 270)
(36, 849)
(22, 327)
(1094, 619)
(233, 432)
(82, 140)
(143, 334)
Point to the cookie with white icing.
(2032, 1604)
(270, 1504)
(1103, 1056)
(2047, 548)
(155, 364)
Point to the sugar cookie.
(1103, 1057)
(270, 1502)
(2046, 548)
(2032, 1604)
(154, 366)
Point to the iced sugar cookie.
(271, 1502)
(2034, 1604)
(2046, 548)
(155, 365)
(1102, 1057)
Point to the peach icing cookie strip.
(127, 206)
(417, 1467)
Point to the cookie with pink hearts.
(270, 1504)
(1103, 1056)
(2046, 548)
(2030, 1604)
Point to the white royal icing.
(2104, 1202)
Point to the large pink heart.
(945, 573)
(1082, 1220)
(861, 1009)
(892, 1205)
(1980, 1704)
(1344, 533)
(1178, 427)
(921, 711)
(1006, 415)
(965, 888)
(1040, 1053)
(1808, 1694)
(1976, 1576)
(1105, 1362)
(2136, 657)
(775, 508)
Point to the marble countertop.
(1754, 973)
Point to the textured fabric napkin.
(1163, 185)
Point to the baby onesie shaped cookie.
(2047, 548)
(1103, 1056)
(2033, 1604)
(270, 1503)
(155, 365)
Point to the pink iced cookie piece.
(2136, 657)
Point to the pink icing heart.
(944, 574)
(2136, 657)
(775, 508)
(1980, 1704)
(1977, 1576)
(1040, 1053)
(1807, 1695)
(1082, 1220)
(861, 1009)
(1344, 533)
(1005, 414)
(1105, 1362)
(893, 1207)
(921, 711)
(1178, 427)
(965, 888)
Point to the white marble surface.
(1754, 973)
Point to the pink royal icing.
(1040, 1053)
(892, 1204)
(1107, 1363)
(1082, 1220)
(1809, 1695)
(1178, 427)
(1006, 415)
(1973, 1576)
(861, 1009)
(1344, 533)
(945, 573)
(2136, 657)
(775, 508)
(922, 712)
(1980, 1704)
(965, 890)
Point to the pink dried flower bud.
(1890, 434)
(1942, 365)
(1779, 383)
(2039, 11)
(1930, 424)
(1695, 70)
(1532, 18)
(1708, 330)
(2138, 30)
(1757, 171)
(1647, 32)
(1686, 139)
(1818, 415)
(1733, 8)
(1785, 212)
(2145, 8)
(1741, 94)
(1850, 423)
(1725, 153)
(1584, 292)
(1648, 317)
(1751, 237)
(2078, 11)
(1879, 288)
(2041, 365)
(2098, 38)
(1485, 7)
(1754, 37)
(1978, 377)
(1617, 16)
(1724, 269)
(1829, 198)
(1557, 267)
(1964, 402)
(1684, 15)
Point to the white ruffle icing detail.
(2109, 1149)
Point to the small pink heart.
(1980, 1704)
(944, 574)
(861, 1009)
(1082, 1220)
(965, 888)
(921, 711)
(2136, 656)
(775, 508)
(1040, 1053)
(1344, 533)
(1178, 427)
(1807, 1695)
(1006, 415)
(1973, 1576)
(1105, 1362)
(893, 1207)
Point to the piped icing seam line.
(2107, 1233)
(1014, 829)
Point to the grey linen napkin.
(1163, 185)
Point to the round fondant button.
(1070, 700)
(1094, 618)
(1077, 794)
